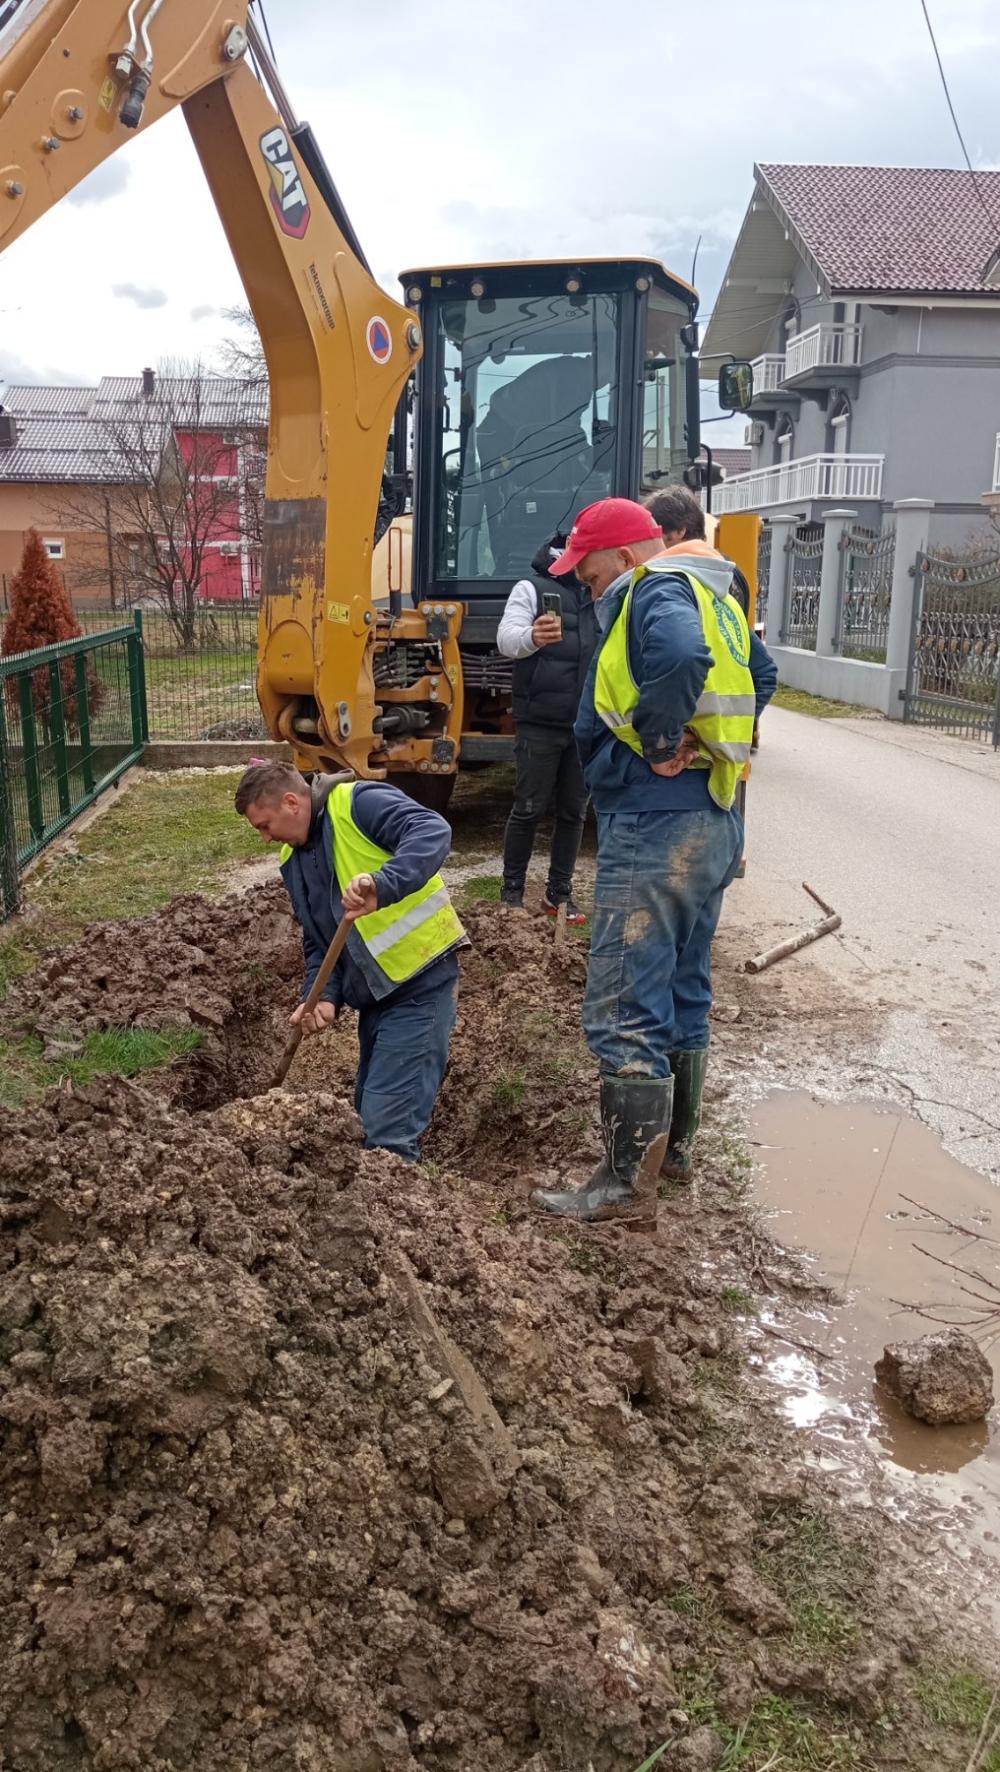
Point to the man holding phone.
(550, 629)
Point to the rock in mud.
(746, 1597)
(701, 1752)
(943, 1378)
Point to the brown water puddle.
(831, 1180)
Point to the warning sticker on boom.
(379, 339)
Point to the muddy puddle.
(854, 1187)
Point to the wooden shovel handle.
(323, 977)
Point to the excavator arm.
(78, 80)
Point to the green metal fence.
(72, 720)
(200, 684)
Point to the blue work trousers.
(660, 880)
(404, 1056)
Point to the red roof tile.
(908, 230)
(734, 461)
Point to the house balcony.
(835, 478)
(823, 353)
(768, 374)
(814, 359)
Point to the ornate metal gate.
(866, 593)
(801, 612)
(954, 675)
(763, 575)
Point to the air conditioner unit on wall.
(754, 433)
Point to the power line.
(267, 30)
(764, 322)
(990, 217)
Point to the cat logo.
(288, 196)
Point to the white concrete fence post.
(913, 521)
(782, 527)
(835, 527)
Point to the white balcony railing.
(996, 465)
(822, 347)
(841, 477)
(768, 373)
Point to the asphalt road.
(899, 829)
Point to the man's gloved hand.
(317, 1021)
(682, 759)
(360, 898)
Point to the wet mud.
(314, 1462)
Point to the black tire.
(432, 791)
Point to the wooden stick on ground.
(323, 977)
(830, 922)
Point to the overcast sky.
(460, 131)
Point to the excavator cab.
(542, 388)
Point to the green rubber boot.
(689, 1082)
(635, 1115)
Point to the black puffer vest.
(549, 684)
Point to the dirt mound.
(520, 1086)
(314, 1462)
(311, 1460)
(185, 966)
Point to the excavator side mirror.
(736, 386)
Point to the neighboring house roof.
(52, 451)
(211, 402)
(890, 230)
(732, 461)
(869, 233)
(48, 402)
(66, 435)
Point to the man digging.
(365, 851)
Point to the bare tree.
(241, 355)
(178, 467)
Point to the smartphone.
(552, 604)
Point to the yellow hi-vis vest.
(403, 938)
(723, 720)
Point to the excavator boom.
(79, 79)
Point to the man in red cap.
(664, 731)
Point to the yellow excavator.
(452, 431)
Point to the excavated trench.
(311, 1461)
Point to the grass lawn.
(25, 1071)
(796, 701)
(167, 834)
(186, 692)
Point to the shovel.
(323, 977)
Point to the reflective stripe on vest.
(723, 719)
(402, 938)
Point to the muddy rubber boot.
(689, 1081)
(635, 1115)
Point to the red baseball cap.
(611, 523)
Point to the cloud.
(143, 298)
(17, 372)
(104, 182)
(590, 177)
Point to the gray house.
(860, 295)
